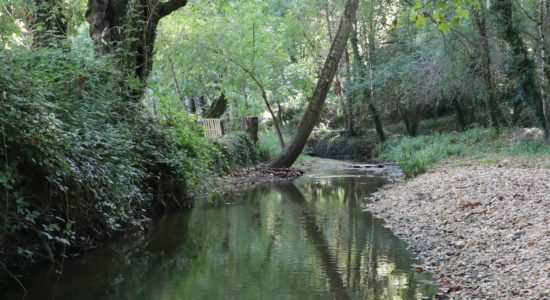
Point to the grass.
(417, 155)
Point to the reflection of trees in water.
(275, 242)
(360, 246)
(289, 191)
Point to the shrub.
(77, 160)
(416, 155)
(239, 148)
(335, 144)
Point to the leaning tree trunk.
(218, 107)
(311, 116)
(128, 28)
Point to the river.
(306, 239)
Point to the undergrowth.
(416, 155)
(79, 161)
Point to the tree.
(313, 110)
(128, 28)
(541, 4)
(522, 68)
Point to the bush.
(335, 144)
(239, 149)
(209, 157)
(417, 155)
(78, 161)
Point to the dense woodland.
(102, 100)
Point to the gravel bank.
(483, 231)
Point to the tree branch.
(168, 7)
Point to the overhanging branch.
(168, 7)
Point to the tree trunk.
(349, 95)
(542, 68)
(275, 122)
(311, 116)
(250, 125)
(260, 85)
(522, 68)
(338, 86)
(363, 71)
(177, 84)
(370, 63)
(409, 118)
(217, 108)
(377, 123)
(459, 112)
(190, 105)
(481, 25)
(128, 27)
(200, 105)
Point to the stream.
(305, 239)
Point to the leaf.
(420, 21)
(444, 27)
(463, 13)
(455, 21)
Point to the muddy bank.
(484, 231)
(244, 178)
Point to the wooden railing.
(212, 128)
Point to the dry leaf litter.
(484, 232)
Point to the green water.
(303, 240)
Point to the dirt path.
(484, 231)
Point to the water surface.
(306, 239)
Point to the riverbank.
(481, 226)
(242, 178)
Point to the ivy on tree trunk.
(127, 28)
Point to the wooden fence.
(212, 128)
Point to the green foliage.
(251, 37)
(417, 155)
(337, 144)
(76, 159)
(445, 14)
(239, 149)
(268, 145)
